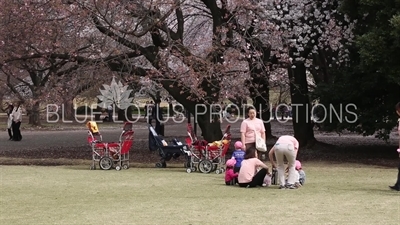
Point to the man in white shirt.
(16, 122)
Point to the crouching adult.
(248, 175)
(286, 146)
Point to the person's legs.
(279, 154)
(10, 133)
(110, 115)
(398, 177)
(396, 186)
(232, 182)
(17, 133)
(258, 179)
(236, 169)
(253, 145)
(14, 130)
(291, 158)
(250, 145)
(244, 184)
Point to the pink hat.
(230, 162)
(398, 150)
(298, 165)
(238, 145)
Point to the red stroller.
(111, 154)
(207, 157)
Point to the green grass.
(338, 194)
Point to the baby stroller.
(111, 154)
(167, 151)
(208, 157)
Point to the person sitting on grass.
(230, 175)
(238, 155)
(248, 175)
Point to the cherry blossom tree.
(30, 32)
(303, 35)
(199, 51)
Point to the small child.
(230, 175)
(300, 174)
(238, 155)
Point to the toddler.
(300, 174)
(230, 175)
(238, 155)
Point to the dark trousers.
(9, 132)
(236, 169)
(16, 132)
(398, 177)
(250, 145)
(253, 145)
(257, 180)
(231, 182)
(110, 115)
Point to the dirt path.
(70, 143)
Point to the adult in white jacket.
(16, 122)
(9, 120)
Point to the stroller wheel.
(205, 166)
(193, 169)
(188, 170)
(217, 171)
(105, 163)
(118, 168)
(158, 165)
(125, 167)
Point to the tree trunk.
(210, 129)
(97, 111)
(260, 97)
(302, 124)
(34, 114)
(67, 112)
(263, 113)
(170, 109)
(121, 115)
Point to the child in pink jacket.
(230, 175)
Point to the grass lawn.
(336, 194)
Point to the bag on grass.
(274, 177)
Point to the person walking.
(396, 186)
(286, 146)
(9, 111)
(16, 122)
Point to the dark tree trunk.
(170, 109)
(302, 124)
(67, 110)
(210, 128)
(259, 91)
(263, 113)
(34, 114)
(97, 111)
(124, 115)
